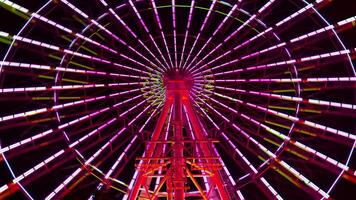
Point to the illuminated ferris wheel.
(103, 99)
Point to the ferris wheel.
(159, 99)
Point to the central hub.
(177, 81)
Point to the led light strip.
(283, 44)
(192, 5)
(282, 115)
(77, 10)
(212, 6)
(291, 98)
(65, 125)
(132, 33)
(282, 163)
(67, 51)
(286, 138)
(71, 146)
(288, 62)
(69, 70)
(50, 22)
(124, 153)
(247, 162)
(218, 46)
(161, 31)
(233, 9)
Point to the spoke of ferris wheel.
(58, 26)
(292, 98)
(174, 33)
(232, 181)
(275, 194)
(228, 16)
(189, 22)
(57, 107)
(301, 146)
(286, 80)
(253, 17)
(243, 157)
(190, 129)
(66, 105)
(151, 116)
(214, 148)
(68, 70)
(84, 15)
(87, 162)
(273, 156)
(113, 167)
(67, 51)
(295, 98)
(288, 18)
(68, 124)
(53, 156)
(342, 25)
(279, 114)
(342, 171)
(289, 62)
(124, 153)
(159, 94)
(226, 169)
(65, 87)
(133, 179)
(212, 6)
(132, 33)
(291, 170)
(161, 30)
(207, 116)
(59, 136)
(71, 146)
(148, 32)
(146, 108)
(240, 154)
(281, 135)
(5, 187)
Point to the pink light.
(200, 32)
(187, 31)
(292, 16)
(161, 31)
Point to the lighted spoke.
(177, 99)
(252, 18)
(200, 32)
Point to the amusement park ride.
(168, 99)
(180, 156)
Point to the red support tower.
(185, 164)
